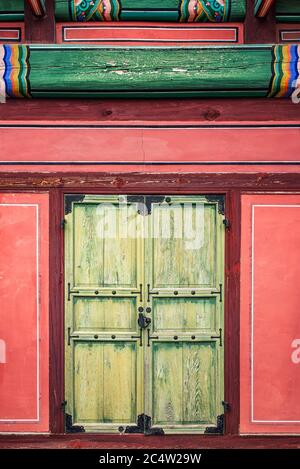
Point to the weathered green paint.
(11, 10)
(288, 11)
(110, 378)
(113, 71)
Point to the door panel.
(144, 313)
(184, 276)
(104, 314)
(184, 383)
(183, 244)
(103, 253)
(105, 383)
(103, 277)
(184, 314)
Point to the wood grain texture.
(157, 72)
(156, 112)
(232, 311)
(56, 312)
(101, 275)
(151, 183)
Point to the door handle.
(143, 321)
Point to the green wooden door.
(144, 313)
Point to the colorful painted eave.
(40, 71)
(152, 10)
(262, 7)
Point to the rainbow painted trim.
(194, 11)
(37, 7)
(95, 10)
(262, 7)
(286, 71)
(14, 71)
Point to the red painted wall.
(143, 146)
(270, 325)
(24, 342)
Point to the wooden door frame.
(231, 322)
(231, 185)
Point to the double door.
(144, 314)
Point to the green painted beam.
(96, 72)
(150, 10)
(11, 10)
(288, 11)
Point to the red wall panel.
(98, 148)
(270, 325)
(24, 354)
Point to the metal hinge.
(220, 292)
(227, 224)
(220, 337)
(63, 223)
(143, 426)
(219, 429)
(227, 406)
(70, 428)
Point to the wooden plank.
(56, 313)
(232, 311)
(135, 182)
(39, 29)
(155, 112)
(141, 10)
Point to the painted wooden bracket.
(37, 7)
(262, 7)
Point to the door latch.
(143, 321)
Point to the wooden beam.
(97, 72)
(150, 183)
(259, 30)
(155, 10)
(37, 7)
(263, 7)
(156, 112)
(39, 29)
